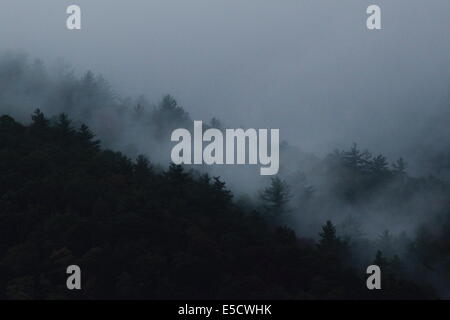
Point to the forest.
(85, 180)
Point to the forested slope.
(139, 232)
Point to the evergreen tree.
(276, 198)
(380, 260)
(328, 238)
(142, 169)
(379, 165)
(64, 124)
(39, 120)
(86, 136)
(355, 159)
(400, 167)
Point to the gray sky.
(308, 67)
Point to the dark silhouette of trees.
(356, 159)
(330, 244)
(328, 238)
(169, 116)
(276, 198)
(39, 120)
(137, 232)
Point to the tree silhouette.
(355, 159)
(328, 238)
(399, 167)
(145, 233)
(276, 198)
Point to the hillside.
(138, 232)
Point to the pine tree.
(39, 120)
(355, 159)
(64, 124)
(399, 167)
(142, 169)
(380, 260)
(379, 165)
(225, 194)
(177, 177)
(330, 244)
(276, 197)
(86, 136)
(328, 237)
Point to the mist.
(309, 68)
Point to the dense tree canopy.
(139, 232)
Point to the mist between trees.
(359, 205)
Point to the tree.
(380, 260)
(355, 159)
(276, 197)
(386, 242)
(330, 245)
(88, 83)
(64, 124)
(379, 165)
(8, 124)
(399, 167)
(216, 123)
(39, 120)
(178, 179)
(177, 235)
(170, 111)
(225, 195)
(86, 136)
(328, 237)
(142, 169)
(168, 116)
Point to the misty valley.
(86, 179)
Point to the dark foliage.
(139, 233)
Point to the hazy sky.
(310, 68)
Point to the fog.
(310, 68)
